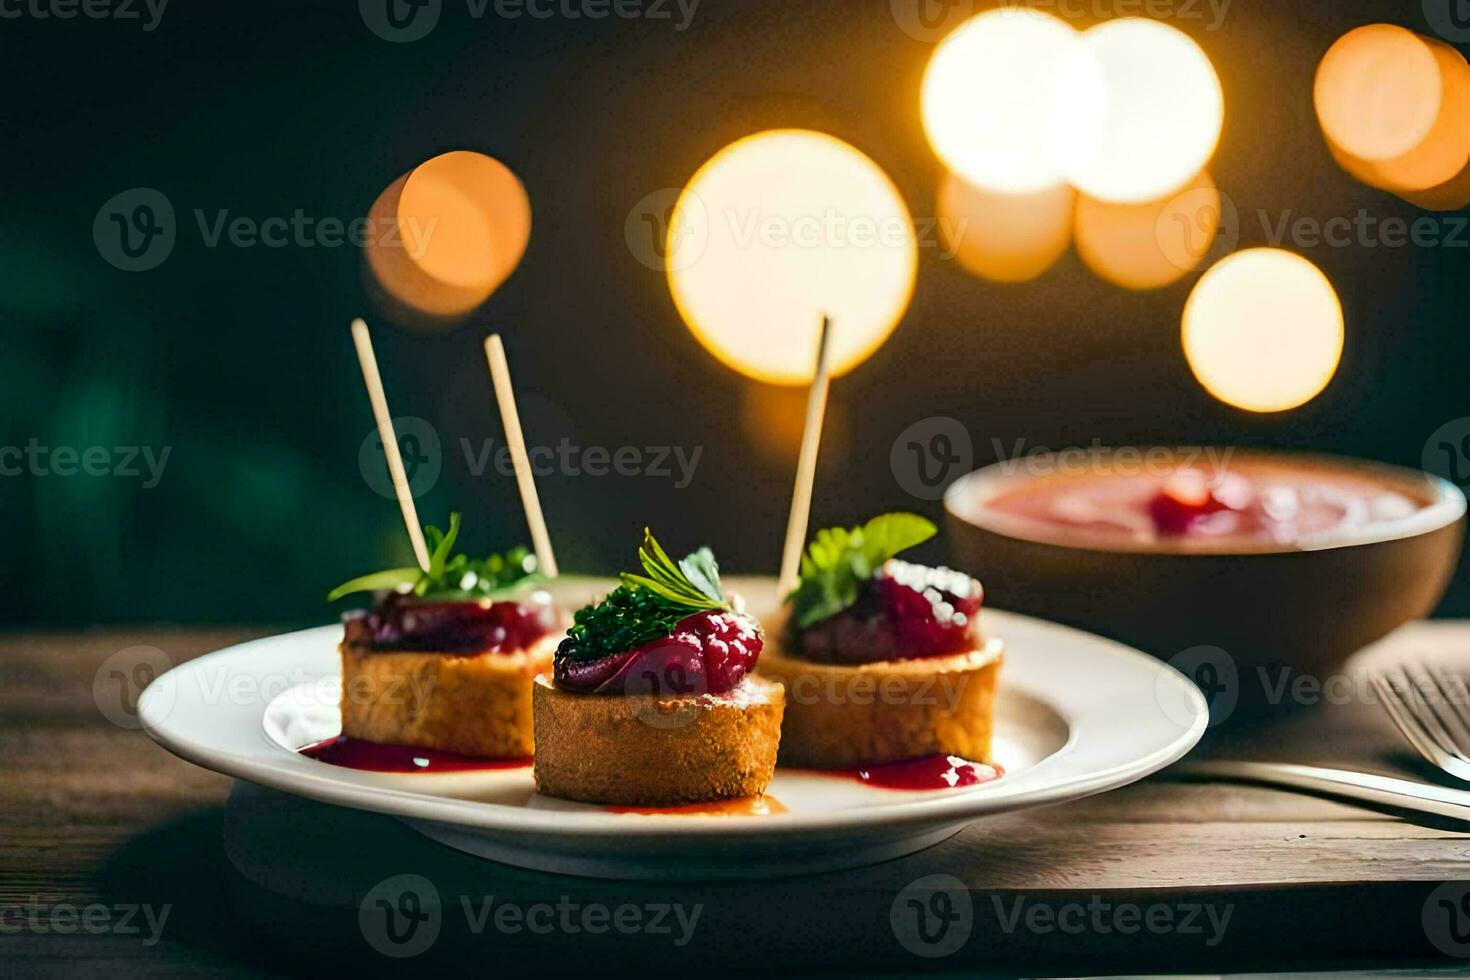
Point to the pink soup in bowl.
(1278, 559)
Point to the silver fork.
(1432, 709)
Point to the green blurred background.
(238, 361)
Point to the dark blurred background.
(237, 361)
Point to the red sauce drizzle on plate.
(357, 753)
(928, 772)
(744, 806)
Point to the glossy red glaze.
(928, 772)
(356, 753)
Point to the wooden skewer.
(374, 383)
(806, 466)
(516, 439)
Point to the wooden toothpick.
(505, 397)
(390, 440)
(806, 465)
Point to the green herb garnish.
(455, 579)
(693, 583)
(646, 607)
(839, 560)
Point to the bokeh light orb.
(1452, 195)
(1142, 115)
(1004, 237)
(1363, 170)
(1378, 91)
(989, 94)
(444, 236)
(1263, 330)
(1148, 246)
(1443, 151)
(793, 225)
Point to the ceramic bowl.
(1307, 608)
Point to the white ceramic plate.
(1076, 715)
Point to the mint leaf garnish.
(389, 580)
(451, 577)
(838, 560)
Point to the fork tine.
(1407, 723)
(1424, 710)
(1456, 717)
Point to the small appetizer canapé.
(447, 658)
(882, 659)
(651, 702)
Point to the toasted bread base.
(840, 717)
(476, 704)
(642, 750)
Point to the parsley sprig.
(839, 560)
(646, 607)
(451, 577)
(693, 582)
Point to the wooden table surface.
(113, 858)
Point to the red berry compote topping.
(707, 653)
(403, 622)
(904, 611)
